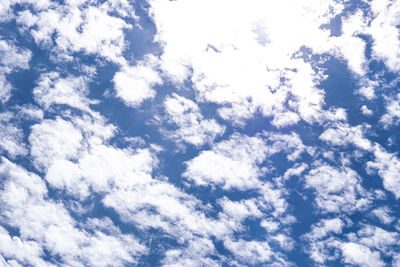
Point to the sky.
(199, 133)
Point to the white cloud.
(25, 252)
(11, 136)
(55, 90)
(198, 252)
(367, 89)
(392, 115)
(343, 134)
(231, 163)
(388, 167)
(250, 252)
(11, 58)
(79, 26)
(383, 214)
(366, 111)
(384, 30)
(337, 189)
(25, 206)
(234, 163)
(134, 84)
(192, 127)
(100, 169)
(377, 238)
(360, 255)
(239, 210)
(30, 112)
(240, 62)
(382, 25)
(296, 170)
(53, 140)
(324, 227)
(320, 241)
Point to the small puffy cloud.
(11, 58)
(135, 84)
(360, 255)
(319, 241)
(240, 210)
(324, 227)
(388, 167)
(296, 170)
(343, 134)
(52, 140)
(234, 163)
(377, 238)
(54, 90)
(349, 45)
(11, 136)
(250, 252)
(366, 111)
(383, 214)
(337, 189)
(198, 252)
(192, 127)
(392, 115)
(100, 169)
(231, 163)
(367, 89)
(30, 112)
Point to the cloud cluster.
(223, 148)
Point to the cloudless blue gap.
(340, 88)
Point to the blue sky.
(199, 133)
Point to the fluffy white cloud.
(383, 214)
(80, 26)
(388, 167)
(234, 163)
(25, 206)
(324, 227)
(197, 252)
(382, 25)
(231, 163)
(319, 239)
(100, 169)
(240, 62)
(250, 252)
(337, 189)
(55, 90)
(11, 136)
(11, 58)
(378, 239)
(360, 255)
(385, 32)
(192, 127)
(392, 116)
(24, 252)
(366, 111)
(53, 140)
(134, 84)
(344, 134)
